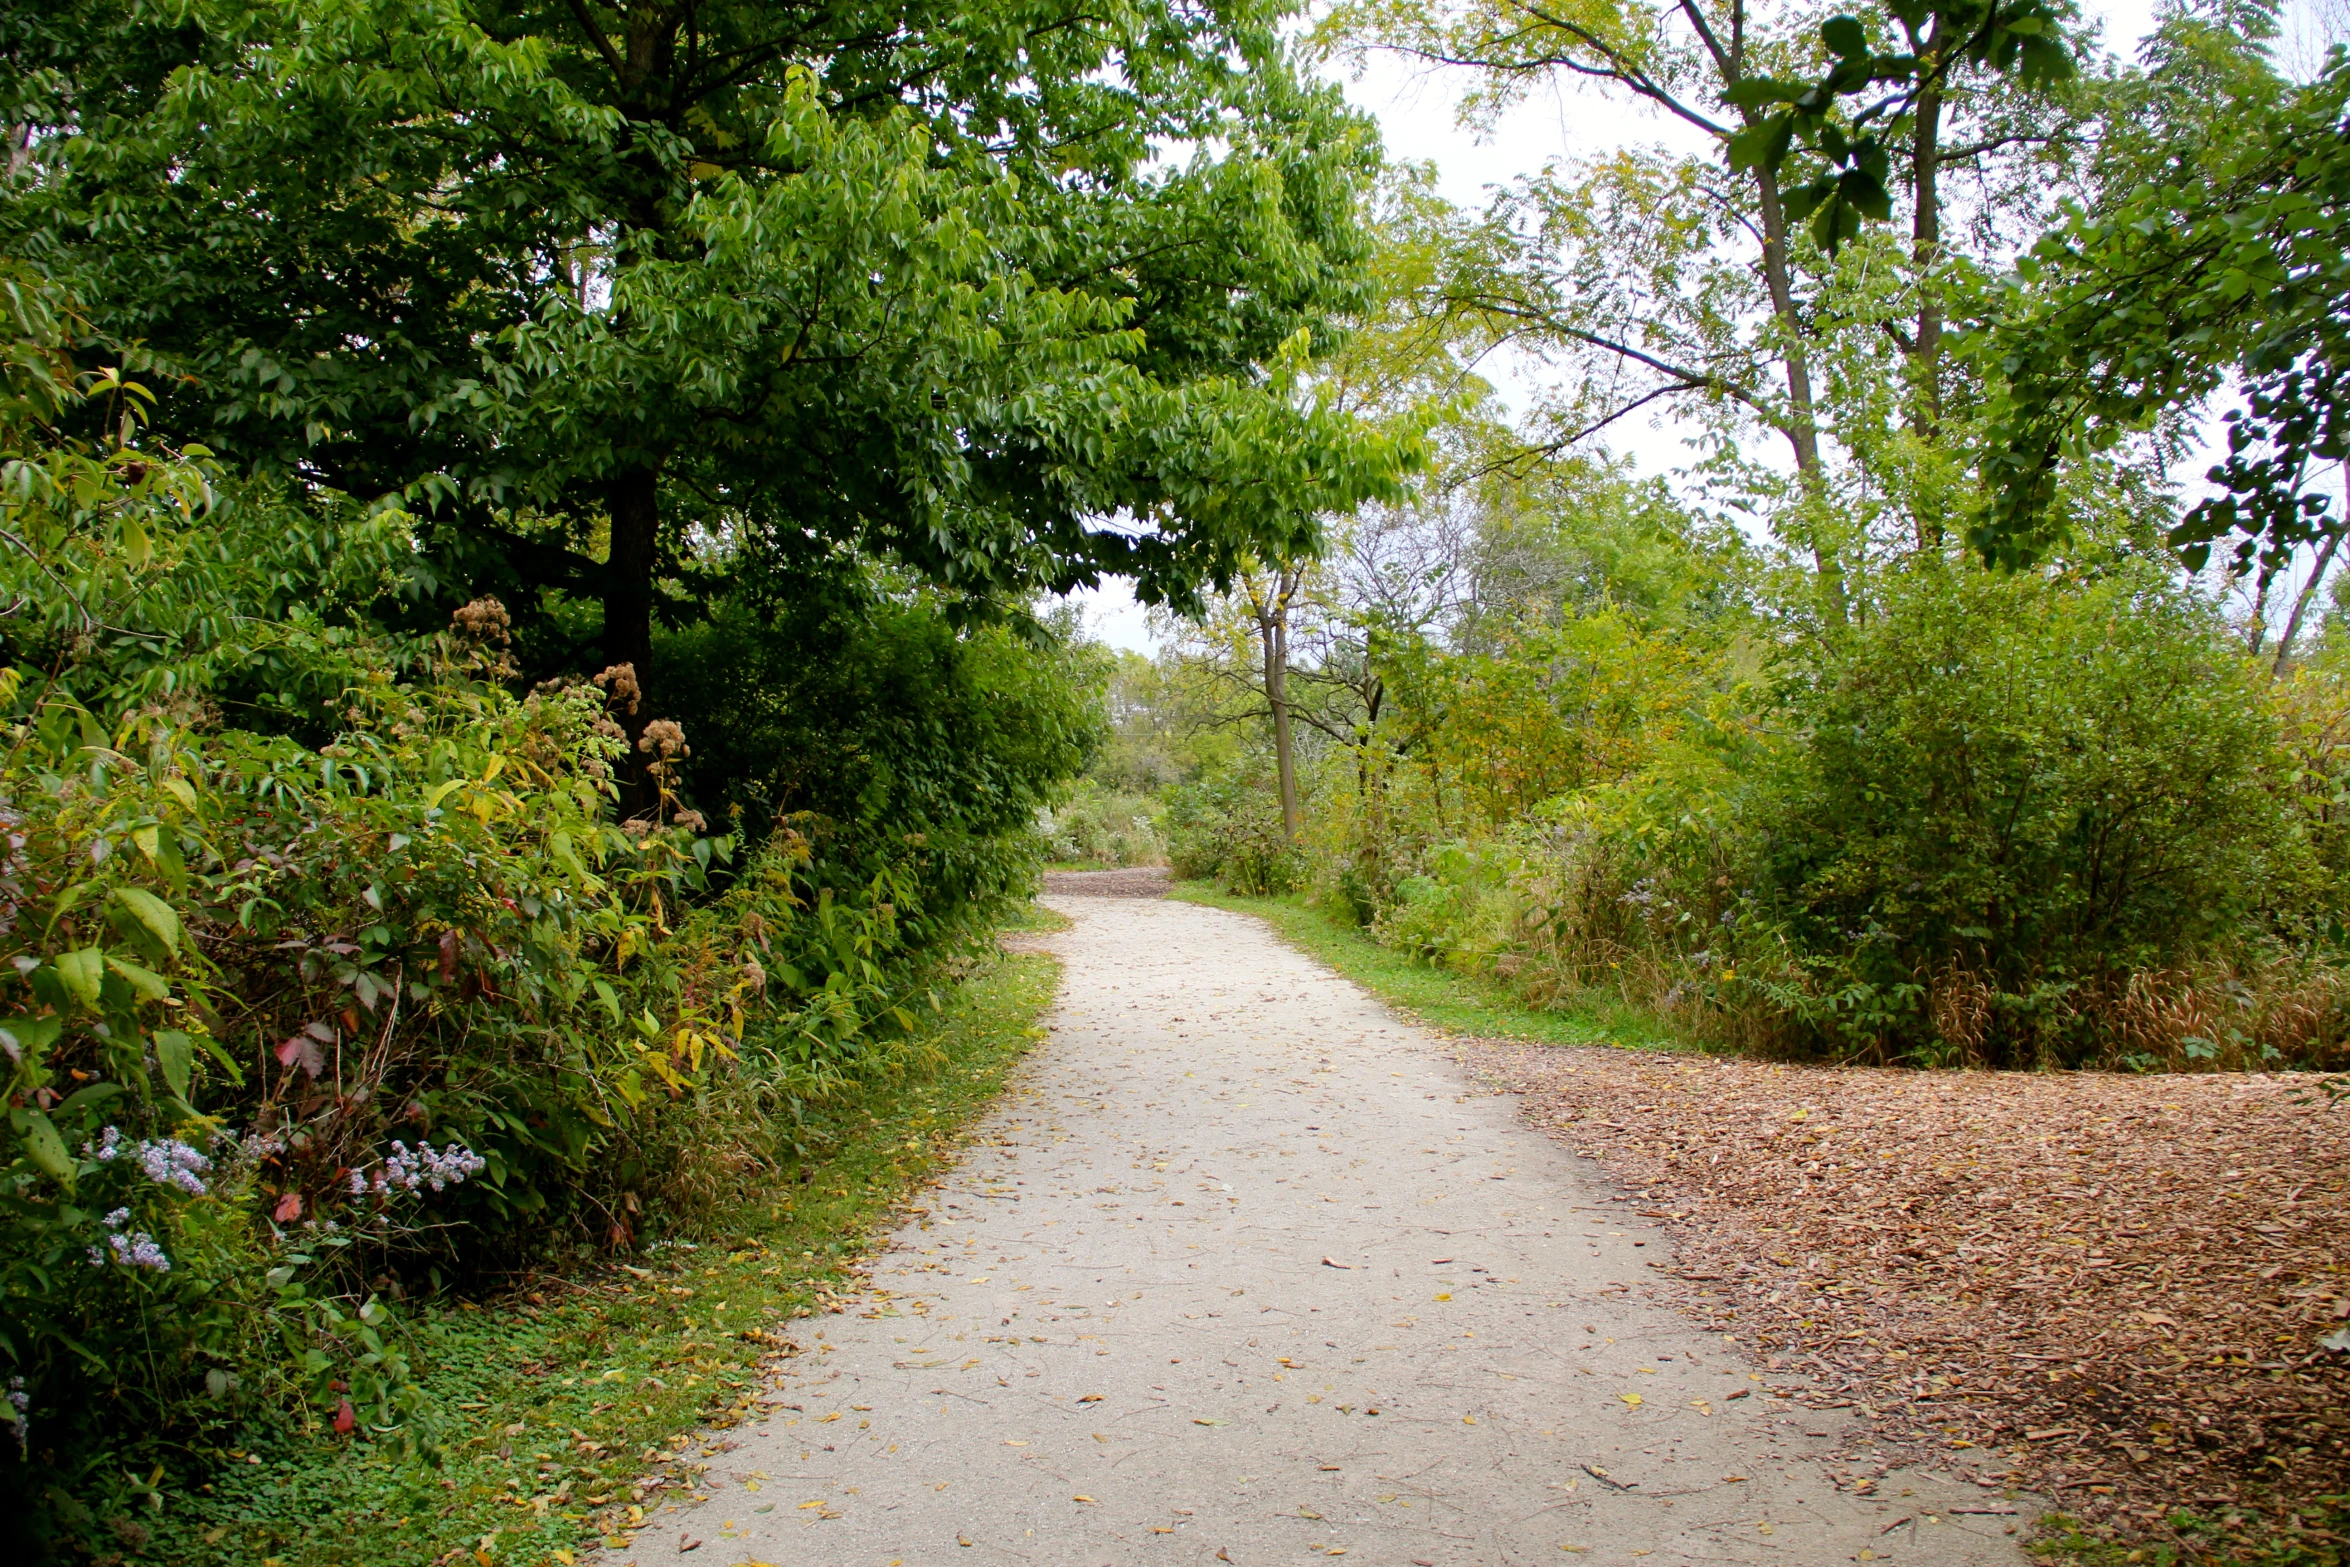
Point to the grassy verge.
(2312, 1537)
(566, 1394)
(1441, 998)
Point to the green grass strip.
(1444, 998)
(567, 1391)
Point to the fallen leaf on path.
(1347, 1267)
(1203, 1421)
(1634, 1399)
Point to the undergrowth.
(559, 1394)
(2314, 1536)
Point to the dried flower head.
(620, 687)
(665, 739)
(484, 620)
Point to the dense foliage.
(1767, 748)
(337, 969)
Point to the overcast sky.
(1415, 106)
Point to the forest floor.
(1244, 1269)
(2110, 1291)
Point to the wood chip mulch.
(2106, 1290)
(1133, 881)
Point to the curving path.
(1244, 1270)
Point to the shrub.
(1104, 827)
(2008, 821)
(2018, 794)
(1227, 829)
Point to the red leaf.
(346, 1418)
(303, 1047)
(289, 1208)
(448, 957)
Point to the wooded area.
(530, 535)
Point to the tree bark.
(1925, 254)
(1802, 428)
(1272, 617)
(2317, 576)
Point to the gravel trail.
(1244, 1270)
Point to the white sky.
(1415, 107)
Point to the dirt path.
(1243, 1270)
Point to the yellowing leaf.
(1447, 1295)
(1633, 1399)
(42, 1145)
(81, 971)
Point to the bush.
(2009, 821)
(1227, 829)
(1104, 827)
(2019, 795)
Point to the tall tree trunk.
(633, 500)
(1272, 616)
(1802, 429)
(1925, 254)
(1371, 797)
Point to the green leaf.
(42, 1145)
(1845, 36)
(175, 1053)
(1762, 145)
(1860, 190)
(30, 1035)
(1753, 92)
(83, 972)
(153, 913)
(150, 985)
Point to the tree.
(653, 300)
(2229, 260)
(1656, 277)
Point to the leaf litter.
(2113, 1291)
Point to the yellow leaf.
(1447, 1295)
(1081, 1499)
(1633, 1399)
